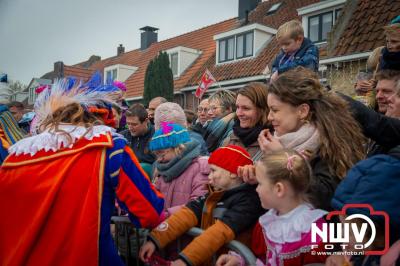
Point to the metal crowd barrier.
(234, 245)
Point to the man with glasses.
(139, 133)
(202, 117)
(202, 112)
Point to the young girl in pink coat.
(181, 174)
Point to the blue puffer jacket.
(375, 181)
(307, 56)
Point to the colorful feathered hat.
(170, 135)
(93, 96)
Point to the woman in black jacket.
(316, 123)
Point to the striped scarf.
(217, 131)
(11, 131)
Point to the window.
(111, 74)
(180, 58)
(313, 28)
(337, 13)
(226, 49)
(273, 8)
(319, 25)
(174, 63)
(32, 95)
(327, 23)
(244, 45)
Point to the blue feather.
(95, 81)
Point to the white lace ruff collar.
(288, 228)
(49, 140)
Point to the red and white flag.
(206, 81)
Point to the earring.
(305, 121)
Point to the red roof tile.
(255, 66)
(364, 31)
(201, 39)
(80, 73)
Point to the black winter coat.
(239, 208)
(323, 184)
(140, 145)
(383, 130)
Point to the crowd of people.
(261, 165)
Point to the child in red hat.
(227, 212)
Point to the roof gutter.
(229, 82)
(344, 58)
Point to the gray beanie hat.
(169, 112)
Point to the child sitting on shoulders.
(390, 58)
(229, 209)
(283, 235)
(297, 50)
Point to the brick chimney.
(120, 50)
(147, 37)
(246, 5)
(59, 69)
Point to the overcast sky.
(36, 33)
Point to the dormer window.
(320, 25)
(242, 43)
(226, 49)
(180, 58)
(318, 19)
(111, 74)
(173, 59)
(118, 72)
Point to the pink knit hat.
(169, 112)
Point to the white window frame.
(245, 45)
(112, 71)
(177, 63)
(122, 71)
(257, 30)
(226, 49)
(191, 54)
(319, 9)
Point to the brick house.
(241, 49)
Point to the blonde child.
(283, 235)
(227, 212)
(296, 49)
(391, 53)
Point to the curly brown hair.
(341, 137)
(73, 114)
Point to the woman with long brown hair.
(251, 118)
(318, 123)
(59, 186)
